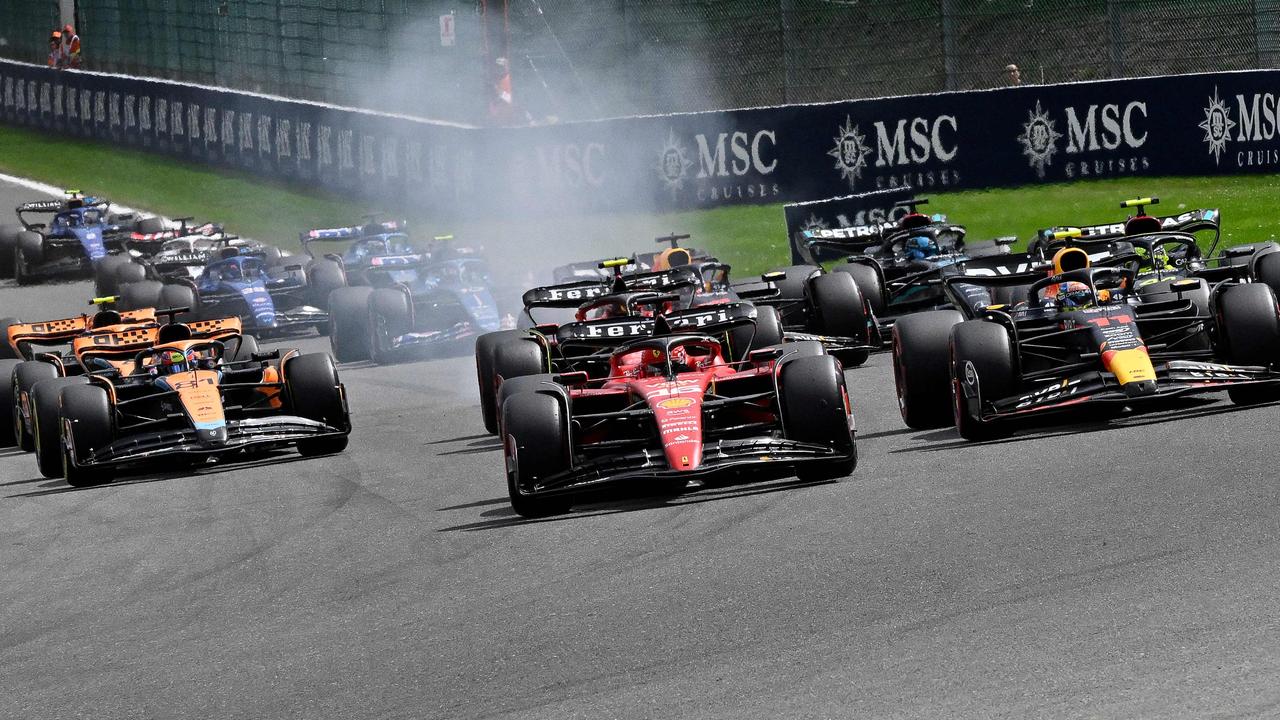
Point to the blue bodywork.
(75, 238)
(265, 299)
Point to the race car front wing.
(239, 434)
(718, 457)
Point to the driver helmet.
(921, 247)
(1075, 295)
(672, 257)
(231, 271)
(174, 361)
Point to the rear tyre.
(325, 276)
(105, 278)
(766, 331)
(486, 379)
(1249, 334)
(840, 311)
(792, 287)
(85, 425)
(139, 295)
(311, 381)
(869, 284)
(981, 352)
(517, 357)
(26, 375)
(920, 368)
(816, 409)
(536, 445)
(1268, 271)
(129, 272)
(8, 402)
(179, 296)
(48, 429)
(349, 323)
(246, 349)
(390, 316)
(7, 351)
(28, 251)
(8, 246)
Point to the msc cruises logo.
(673, 163)
(850, 152)
(1217, 126)
(1039, 139)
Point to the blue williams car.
(269, 299)
(81, 234)
(402, 300)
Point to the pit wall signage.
(1202, 124)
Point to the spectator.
(1011, 75)
(70, 48)
(55, 49)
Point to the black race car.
(1082, 336)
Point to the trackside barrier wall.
(1206, 124)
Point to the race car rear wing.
(1194, 221)
(137, 339)
(565, 295)
(57, 332)
(709, 320)
(353, 232)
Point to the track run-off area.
(1127, 568)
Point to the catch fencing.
(584, 59)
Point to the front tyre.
(85, 426)
(536, 446)
(982, 361)
(311, 382)
(45, 398)
(349, 323)
(816, 409)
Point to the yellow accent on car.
(616, 262)
(1131, 366)
(1064, 233)
(1140, 201)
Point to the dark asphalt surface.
(1129, 569)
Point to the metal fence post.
(1116, 35)
(948, 45)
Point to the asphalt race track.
(1128, 569)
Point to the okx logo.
(1100, 139)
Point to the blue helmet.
(921, 247)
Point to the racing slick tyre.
(536, 445)
(349, 323)
(246, 348)
(271, 256)
(129, 272)
(138, 295)
(325, 276)
(1268, 270)
(1249, 332)
(28, 251)
(981, 356)
(766, 331)
(24, 379)
(486, 379)
(920, 370)
(311, 381)
(816, 409)
(8, 403)
(517, 357)
(48, 428)
(104, 275)
(792, 286)
(8, 244)
(179, 296)
(868, 282)
(151, 225)
(85, 424)
(6, 350)
(390, 316)
(840, 311)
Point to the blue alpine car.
(269, 300)
(80, 234)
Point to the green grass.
(751, 238)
